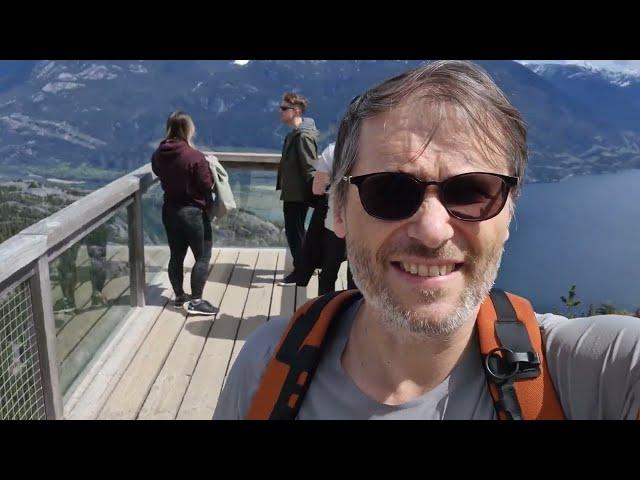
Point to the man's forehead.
(399, 135)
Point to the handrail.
(28, 245)
(241, 157)
(35, 241)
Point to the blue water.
(583, 231)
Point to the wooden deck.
(165, 364)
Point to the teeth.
(427, 271)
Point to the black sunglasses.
(284, 109)
(472, 197)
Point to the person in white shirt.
(333, 247)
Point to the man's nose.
(431, 224)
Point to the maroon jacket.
(184, 174)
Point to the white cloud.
(241, 62)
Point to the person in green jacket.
(295, 172)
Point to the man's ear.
(512, 218)
(339, 226)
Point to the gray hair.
(496, 125)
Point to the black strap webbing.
(301, 329)
(305, 359)
(511, 331)
(518, 359)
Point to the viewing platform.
(88, 326)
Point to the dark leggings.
(188, 227)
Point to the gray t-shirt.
(594, 364)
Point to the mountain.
(96, 113)
(614, 96)
(99, 118)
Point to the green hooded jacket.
(295, 172)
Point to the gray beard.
(398, 320)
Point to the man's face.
(383, 254)
(288, 112)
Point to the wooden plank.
(239, 157)
(19, 251)
(283, 299)
(90, 395)
(206, 383)
(303, 294)
(128, 396)
(168, 390)
(256, 310)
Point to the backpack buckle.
(511, 365)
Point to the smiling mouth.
(427, 270)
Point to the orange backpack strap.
(514, 361)
(289, 373)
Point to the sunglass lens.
(475, 196)
(391, 196)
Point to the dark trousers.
(334, 253)
(295, 214)
(188, 227)
(333, 250)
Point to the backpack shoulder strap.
(514, 361)
(289, 373)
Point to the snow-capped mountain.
(613, 96)
(587, 72)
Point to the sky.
(616, 65)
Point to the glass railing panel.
(90, 294)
